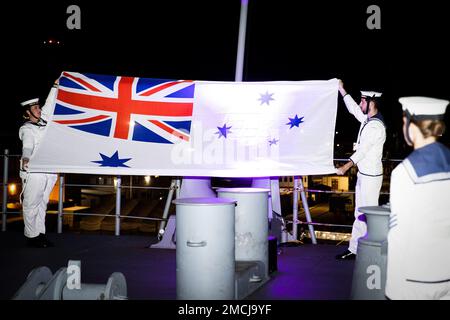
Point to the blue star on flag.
(266, 98)
(112, 161)
(273, 141)
(294, 122)
(223, 131)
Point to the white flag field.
(116, 125)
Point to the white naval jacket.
(370, 141)
(31, 133)
(419, 230)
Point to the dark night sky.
(286, 40)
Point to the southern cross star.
(266, 98)
(223, 131)
(112, 161)
(294, 122)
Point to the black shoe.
(347, 255)
(45, 242)
(34, 242)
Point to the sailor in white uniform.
(418, 262)
(367, 156)
(36, 186)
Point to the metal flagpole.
(241, 41)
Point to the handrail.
(326, 224)
(98, 215)
(328, 191)
(112, 186)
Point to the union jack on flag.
(138, 109)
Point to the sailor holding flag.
(36, 187)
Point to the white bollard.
(369, 272)
(251, 224)
(205, 248)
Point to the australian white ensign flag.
(139, 126)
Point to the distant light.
(337, 145)
(160, 198)
(12, 188)
(50, 41)
(156, 176)
(337, 132)
(57, 42)
(115, 182)
(147, 180)
(45, 42)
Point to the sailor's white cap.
(30, 102)
(371, 94)
(424, 106)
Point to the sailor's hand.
(25, 164)
(341, 88)
(340, 171)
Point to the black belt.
(370, 175)
(430, 282)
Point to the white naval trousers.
(36, 193)
(367, 192)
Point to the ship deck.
(304, 272)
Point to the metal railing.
(118, 187)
